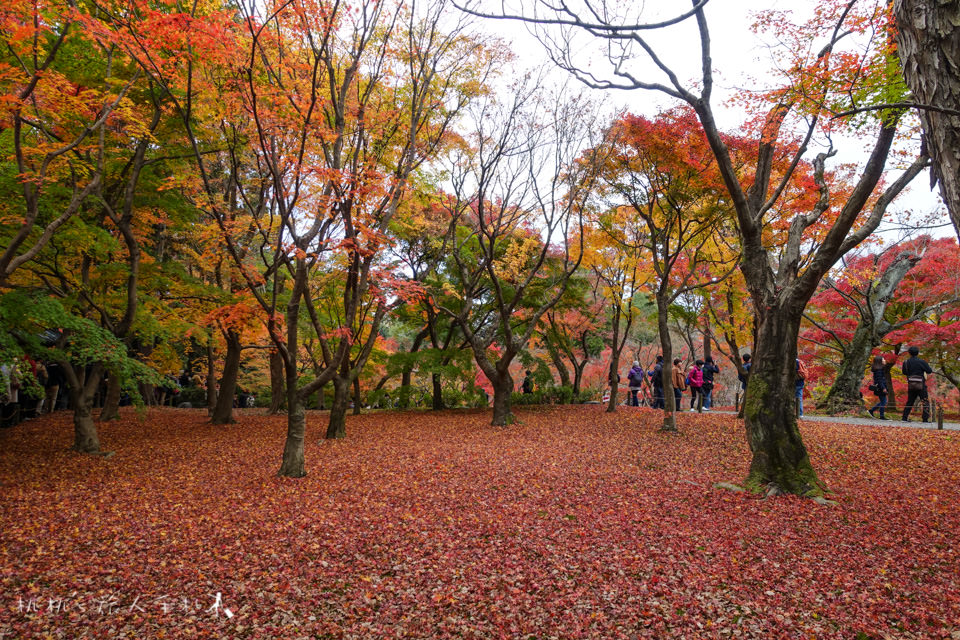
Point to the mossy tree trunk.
(337, 427)
(111, 403)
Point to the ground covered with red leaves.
(572, 523)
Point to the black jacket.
(914, 366)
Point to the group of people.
(916, 371)
(29, 388)
(699, 379)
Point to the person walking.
(678, 384)
(879, 388)
(916, 371)
(695, 382)
(656, 378)
(635, 378)
(709, 368)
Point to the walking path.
(914, 422)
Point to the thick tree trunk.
(292, 465)
(844, 394)
(404, 400)
(223, 412)
(276, 382)
(111, 404)
(502, 389)
(928, 42)
(780, 458)
(85, 437)
(437, 392)
(337, 427)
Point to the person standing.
(656, 378)
(709, 368)
(635, 378)
(879, 388)
(678, 384)
(742, 377)
(695, 382)
(916, 371)
(800, 384)
(527, 386)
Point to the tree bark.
(337, 427)
(928, 43)
(779, 455)
(111, 404)
(83, 388)
(292, 464)
(666, 346)
(276, 383)
(211, 382)
(502, 390)
(356, 396)
(558, 363)
(223, 412)
(437, 392)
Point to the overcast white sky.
(741, 59)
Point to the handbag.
(915, 383)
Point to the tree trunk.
(337, 427)
(211, 382)
(612, 375)
(502, 390)
(111, 404)
(779, 455)
(558, 364)
(223, 412)
(85, 437)
(276, 383)
(292, 465)
(666, 346)
(844, 394)
(437, 392)
(928, 42)
(356, 396)
(322, 398)
(578, 378)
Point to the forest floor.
(571, 523)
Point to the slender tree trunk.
(779, 455)
(111, 405)
(502, 390)
(276, 383)
(322, 398)
(437, 392)
(223, 412)
(612, 375)
(337, 427)
(356, 396)
(666, 346)
(211, 382)
(558, 364)
(578, 378)
(292, 465)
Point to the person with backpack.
(656, 378)
(801, 382)
(678, 384)
(635, 378)
(879, 387)
(695, 382)
(916, 371)
(709, 368)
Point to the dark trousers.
(676, 396)
(658, 397)
(912, 398)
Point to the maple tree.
(515, 225)
(817, 83)
(663, 172)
